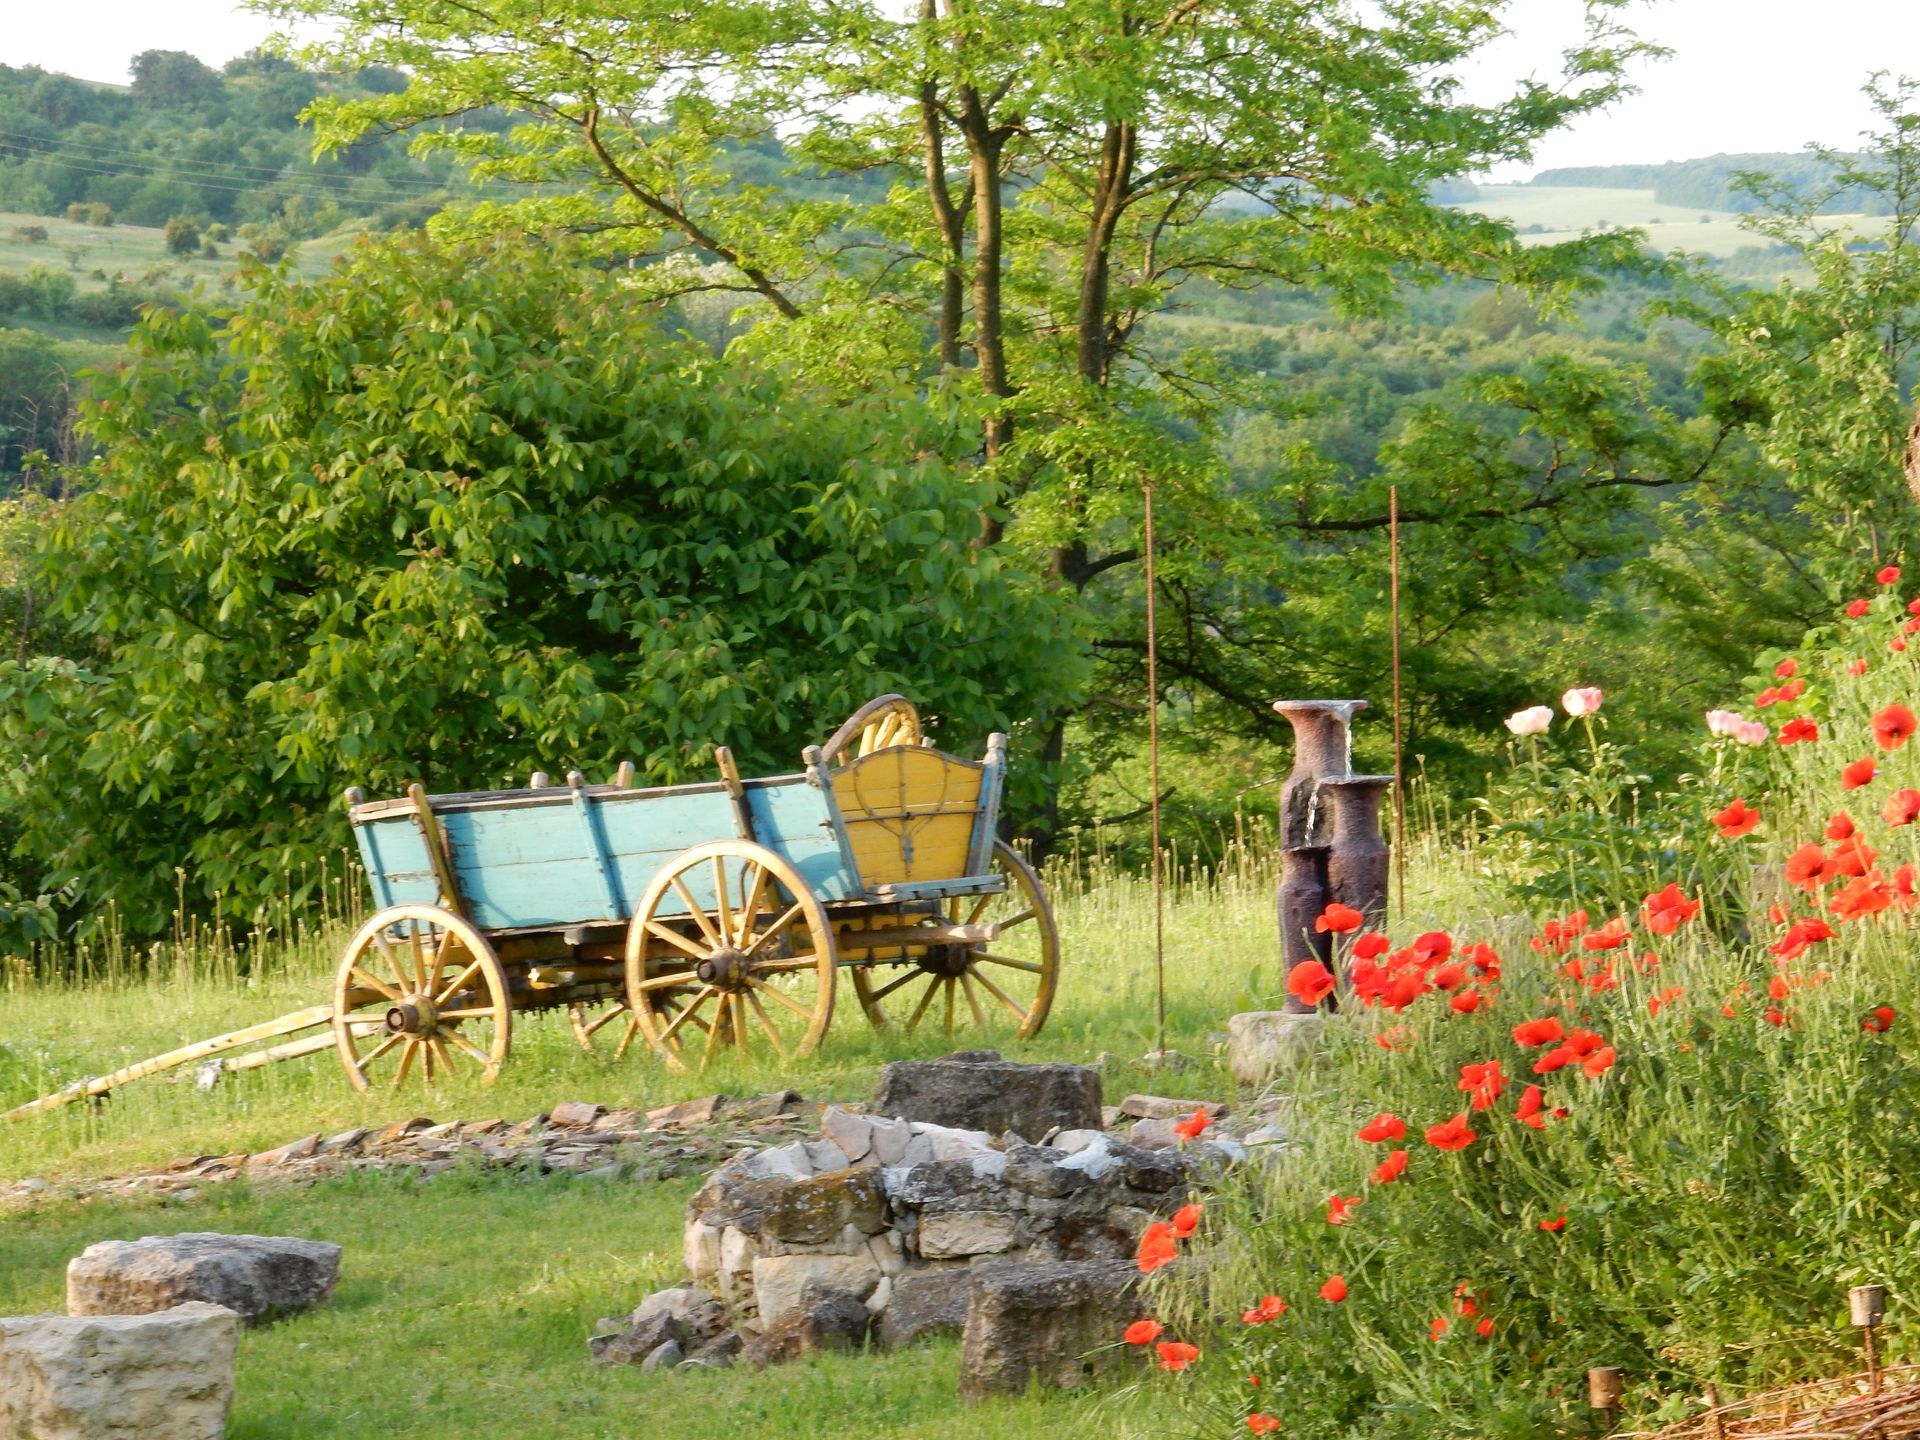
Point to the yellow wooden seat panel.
(909, 813)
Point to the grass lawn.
(132, 250)
(1564, 212)
(466, 1300)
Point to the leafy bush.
(1666, 1139)
(454, 515)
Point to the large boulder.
(977, 1090)
(165, 1376)
(257, 1277)
(824, 1320)
(930, 1301)
(1054, 1323)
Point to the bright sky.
(1745, 74)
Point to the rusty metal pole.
(1153, 788)
(1867, 1307)
(1399, 777)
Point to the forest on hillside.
(1610, 468)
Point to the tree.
(173, 77)
(183, 235)
(1054, 175)
(452, 515)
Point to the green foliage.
(452, 515)
(183, 236)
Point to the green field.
(1565, 212)
(466, 1300)
(133, 251)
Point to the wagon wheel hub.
(946, 959)
(726, 968)
(413, 1016)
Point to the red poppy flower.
(1432, 947)
(1840, 826)
(1453, 1134)
(1775, 1016)
(1310, 982)
(1736, 820)
(1186, 1220)
(1193, 1126)
(1599, 1062)
(1177, 1354)
(1545, 1031)
(1801, 934)
(1897, 645)
(1335, 1290)
(1142, 1332)
(1901, 807)
(1485, 959)
(1768, 696)
(1777, 988)
(1857, 608)
(1484, 1329)
(1438, 1328)
(1384, 1126)
(1880, 1021)
(1466, 1002)
(1262, 1424)
(1655, 1003)
(1857, 667)
(1889, 575)
(1338, 918)
(1558, 1223)
(1271, 1307)
(1805, 867)
(1450, 977)
(1483, 1082)
(1859, 773)
(1786, 669)
(1404, 990)
(1909, 627)
(1371, 946)
(1665, 911)
(1340, 1208)
(1157, 1247)
(1397, 1037)
(1852, 857)
(1797, 729)
(1868, 895)
(1528, 1112)
(1391, 1168)
(1892, 727)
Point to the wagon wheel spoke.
(1032, 967)
(381, 1049)
(750, 902)
(775, 993)
(973, 1003)
(723, 912)
(385, 990)
(406, 1062)
(894, 984)
(663, 982)
(458, 985)
(393, 960)
(787, 917)
(698, 913)
(687, 1014)
(675, 938)
(926, 999)
(1019, 1012)
(719, 1027)
(465, 1044)
(766, 1024)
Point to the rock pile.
(890, 1227)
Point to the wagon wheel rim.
(877, 725)
(420, 994)
(1003, 988)
(598, 1023)
(753, 973)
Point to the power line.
(237, 170)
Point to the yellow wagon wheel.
(420, 992)
(877, 725)
(999, 988)
(748, 969)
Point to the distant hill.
(1708, 183)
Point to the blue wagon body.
(533, 859)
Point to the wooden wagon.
(701, 918)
